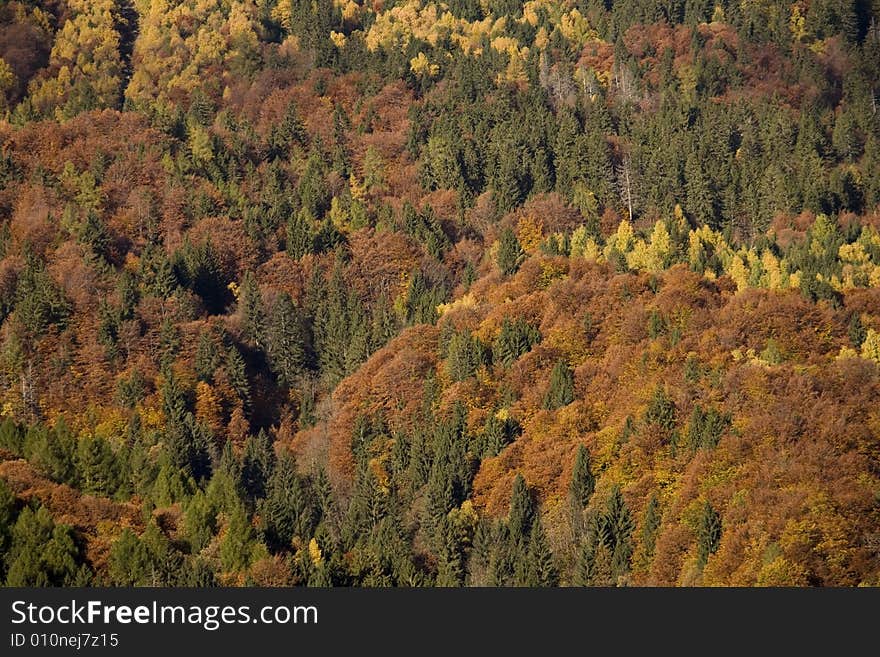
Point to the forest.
(419, 293)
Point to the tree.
(871, 346)
(258, 464)
(42, 553)
(422, 298)
(300, 234)
(98, 467)
(207, 358)
(236, 369)
(700, 200)
(39, 302)
(661, 412)
(312, 189)
(199, 521)
(146, 560)
(464, 356)
(11, 436)
(585, 564)
(499, 431)
(288, 509)
(541, 570)
(583, 483)
(53, 450)
(708, 533)
(86, 63)
(239, 545)
(561, 390)
(199, 268)
(509, 255)
(286, 342)
(250, 302)
(616, 527)
(594, 560)
(129, 562)
(706, 427)
(515, 339)
(7, 519)
(522, 512)
(368, 507)
(450, 566)
(289, 131)
(651, 525)
(311, 22)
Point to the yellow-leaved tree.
(184, 44)
(85, 69)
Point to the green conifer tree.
(510, 254)
(561, 390)
(708, 533)
(522, 512)
(583, 483)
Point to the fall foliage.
(550, 293)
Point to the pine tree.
(541, 570)
(207, 357)
(503, 556)
(39, 303)
(199, 268)
(11, 436)
(522, 512)
(164, 280)
(300, 240)
(289, 131)
(603, 568)
(510, 254)
(650, 526)
(128, 562)
(708, 533)
(856, 332)
(383, 325)
(199, 521)
(661, 412)
(41, 553)
(616, 526)
(163, 565)
(224, 489)
(286, 340)
(97, 465)
(700, 198)
(252, 310)
(583, 483)
(53, 450)
(368, 507)
(515, 339)
(236, 370)
(595, 159)
(93, 234)
(464, 356)
(312, 189)
(239, 544)
(258, 464)
(585, 567)
(561, 390)
(566, 161)
(497, 434)
(288, 509)
(332, 329)
(450, 566)
(7, 520)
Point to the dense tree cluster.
(412, 293)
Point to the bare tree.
(625, 183)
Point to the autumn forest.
(418, 293)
